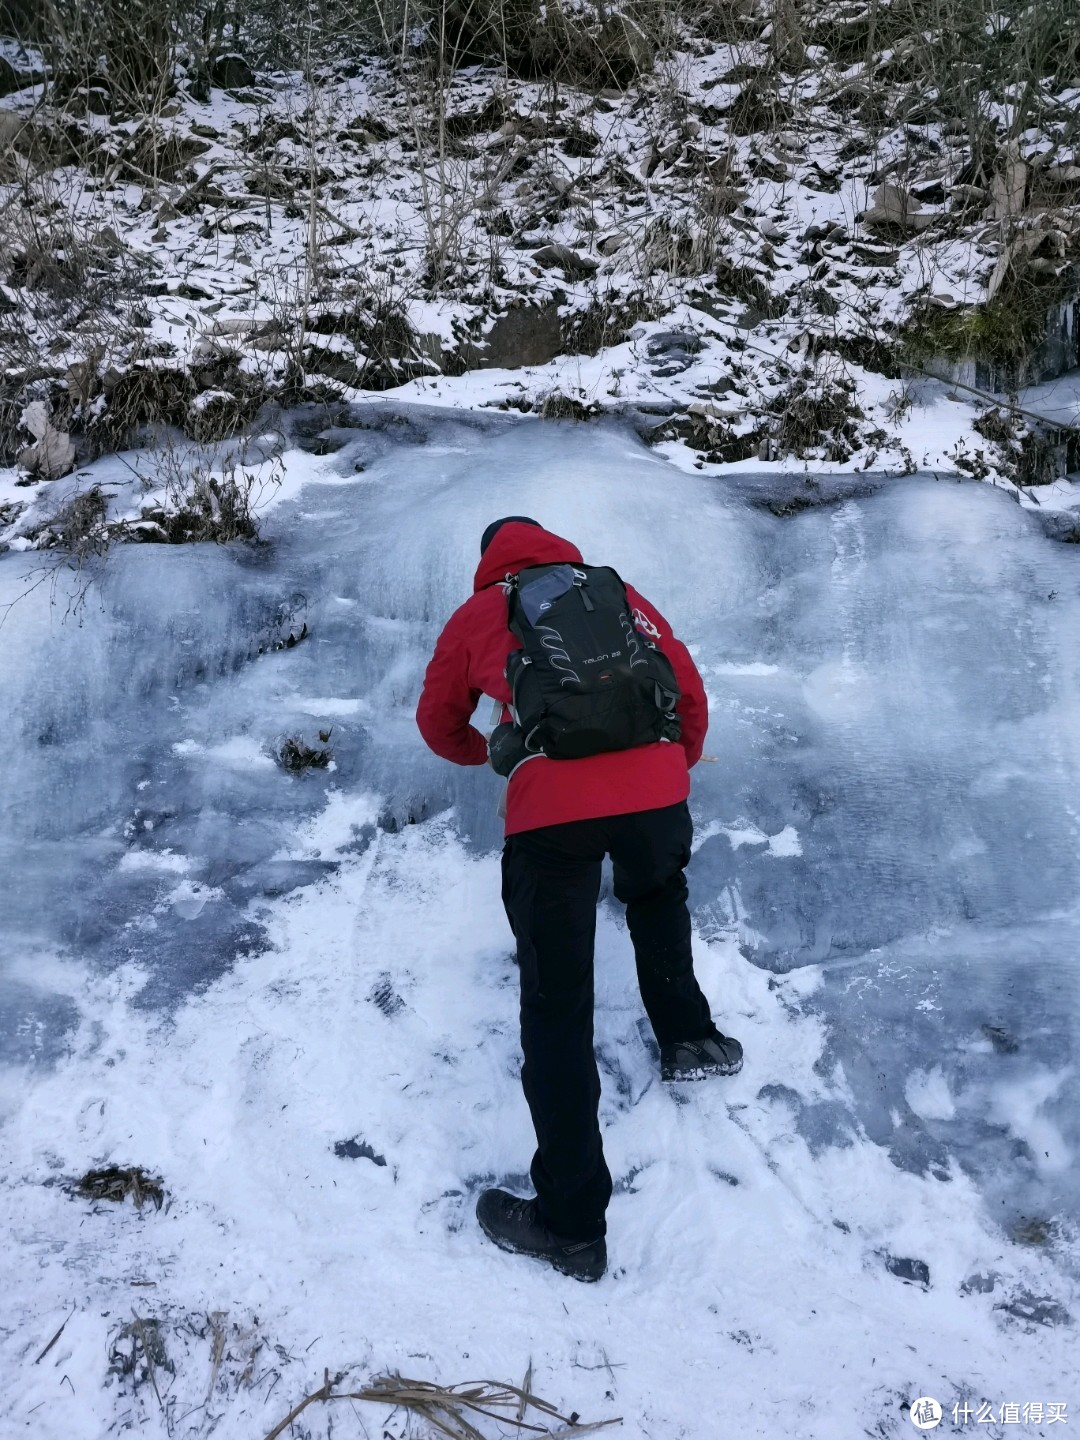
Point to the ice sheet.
(217, 968)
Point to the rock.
(608, 244)
(338, 359)
(108, 242)
(914, 1272)
(671, 352)
(877, 255)
(766, 167)
(894, 209)
(523, 335)
(714, 410)
(357, 1149)
(52, 454)
(1035, 1309)
(12, 79)
(649, 165)
(816, 177)
(964, 195)
(268, 338)
(750, 318)
(723, 385)
(231, 72)
(980, 1283)
(561, 257)
(98, 99)
(930, 192)
(626, 40)
(236, 325)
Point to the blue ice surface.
(894, 675)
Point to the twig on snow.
(56, 1337)
(323, 1393)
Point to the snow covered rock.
(231, 72)
(561, 257)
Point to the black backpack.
(586, 679)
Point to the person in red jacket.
(562, 818)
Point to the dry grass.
(449, 1407)
(116, 1183)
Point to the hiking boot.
(514, 1225)
(695, 1059)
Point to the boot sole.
(554, 1261)
(700, 1072)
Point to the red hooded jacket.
(470, 661)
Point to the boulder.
(231, 72)
(561, 257)
(523, 335)
(671, 352)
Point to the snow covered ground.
(796, 243)
(221, 971)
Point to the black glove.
(506, 748)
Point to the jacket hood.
(515, 547)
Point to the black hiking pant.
(551, 881)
